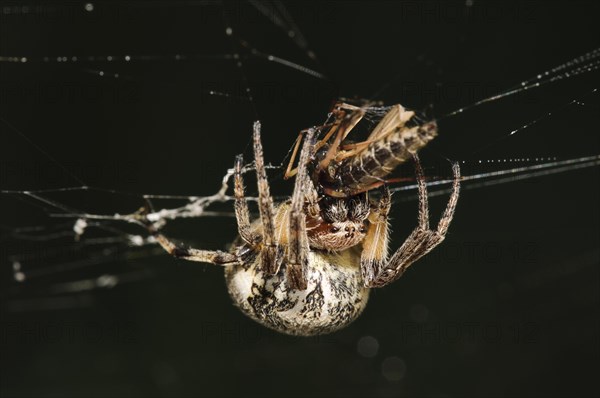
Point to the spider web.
(113, 72)
(106, 107)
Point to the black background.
(503, 308)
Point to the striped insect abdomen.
(369, 167)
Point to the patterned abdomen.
(335, 295)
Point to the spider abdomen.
(335, 294)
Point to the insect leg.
(342, 113)
(347, 121)
(289, 172)
(392, 122)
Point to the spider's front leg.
(377, 271)
(298, 246)
(272, 254)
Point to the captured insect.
(306, 266)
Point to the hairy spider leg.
(188, 253)
(242, 214)
(272, 255)
(298, 247)
(177, 250)
(376, 242)
(381, 272)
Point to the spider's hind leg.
(177, 250)
(188, 253)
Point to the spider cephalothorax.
(341, 224)
(306, 265)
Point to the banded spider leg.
(376, 268)
(285, 242)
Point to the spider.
(306, 265)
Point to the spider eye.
(334, 229)
(363, 230)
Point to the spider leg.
(271, 253)
(420, 242)
(177, 250)
(375, 245)
(298, 247)
(204, 256)
(242, 214)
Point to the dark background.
(505, 307)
